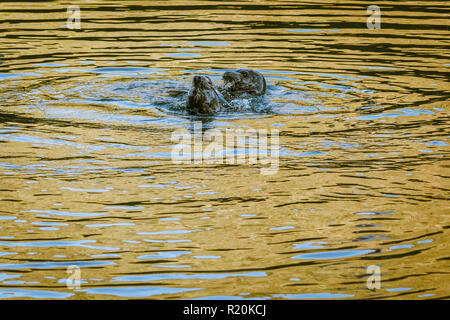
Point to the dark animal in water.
(242, 82)
(203, 97)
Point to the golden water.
(87, 177)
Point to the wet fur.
(202, 97)
(242, 81)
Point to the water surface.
(87, 177)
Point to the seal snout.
(197, 81)
(231, 77)
(202, 82)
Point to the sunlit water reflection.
(87, 178)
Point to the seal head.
(202, 98)
(242, 81)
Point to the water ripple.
(86, 169)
